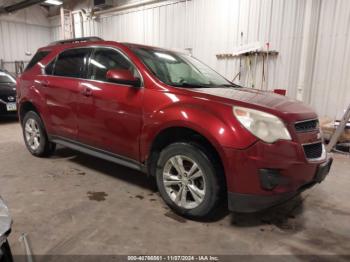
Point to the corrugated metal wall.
(21, 32)
(55, 33)
(18, 38)
(211, 27)
(331, 75)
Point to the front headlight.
(265, 126)
(5, 221)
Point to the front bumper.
(4, 236)
(5, 252)
(289, 173)
(247, 203)
(4, 111)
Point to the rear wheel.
(35, 136)
(187, 180)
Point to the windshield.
(6, 78)
(179, 69)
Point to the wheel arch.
(175, 134)
(25, 108)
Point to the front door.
(110, 114)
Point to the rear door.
(110, 114)
(61, 86)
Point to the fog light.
(271, 178)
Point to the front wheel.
(187, 180)
(35, 136)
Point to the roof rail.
(76, 40)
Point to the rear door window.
(72, 63)
(37, 58)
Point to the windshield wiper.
(231, 85)
(205, 85)
(192, 85)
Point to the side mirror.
(122, 76)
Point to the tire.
(35, 136)
(200, 193)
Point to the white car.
(5, 229)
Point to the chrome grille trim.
(302, 126)
(316, 159)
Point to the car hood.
(282, 106)
(7, 89)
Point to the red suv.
(169, 115)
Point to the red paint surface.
(282, 92)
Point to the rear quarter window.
(37, 58)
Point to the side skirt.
(86, 149)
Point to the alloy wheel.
(184, 181)
(32, 134)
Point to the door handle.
(87, 92)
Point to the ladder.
(67, 26)
(339, 130)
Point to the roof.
(94, 39)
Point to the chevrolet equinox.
(165, 113)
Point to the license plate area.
(11, 107)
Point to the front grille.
(3, 109)
(3, 98)
(306, 126)
(313, 151)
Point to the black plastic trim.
(249, 203)
(99, 153)
(77, 40)
(270, 178)
(246, 203)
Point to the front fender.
(218, 126)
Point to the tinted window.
(71, 63)
(105, 59)
(37, 58)
(49, 68)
